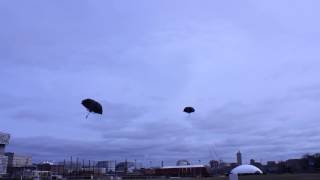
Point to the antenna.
(210, 152)
(215, 152)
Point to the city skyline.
(248, 68)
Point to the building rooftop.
(184, 166)
(4, 138)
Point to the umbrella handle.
(87, 115)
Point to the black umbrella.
(92, 106)
(188, 110)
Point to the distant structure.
(239, 158)
(15, 160)
(110, 166)
(182, 162)
(246, 170)
(17, 164)
(182, 171)
(125, 167)
(4, 140)
(214, 164)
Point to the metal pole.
(82, 165)
(64, 167)
(115, 168)
(71, 163)
(135, 164)
(93, 166)
(77, 166)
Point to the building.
(4, 140)
(125, 167)
(257, 164)
(295, 165)
(52, 168)
(183, 162)
(272, 167)
(183, 171)
(15, 160)
(108, 165)
(252, 161)
(3, 165)
(19, 165)
(214, 164)
(239, 158)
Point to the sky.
(249, 68)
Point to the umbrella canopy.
(188, 110)
(92, 106)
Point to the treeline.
(308, 163)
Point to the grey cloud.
(54, 149)
(310, 92)
(117, 116)
(30, 115)
(248, 68)
(122, 112)
(234, 116)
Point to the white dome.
(246, 169)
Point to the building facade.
(18, 160)
(109, 165)
(239, 158)
(182, 171)
(3, 164)
(4, 140)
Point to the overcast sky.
(250, 69)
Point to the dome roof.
(246, 169)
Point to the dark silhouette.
(92, 106)
(188, 110)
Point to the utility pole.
(71, 166)
(83, 165)
(115, 165)
(89, 165)
(77, 166)
(93, 166)
(64, 167)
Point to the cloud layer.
(250, 70)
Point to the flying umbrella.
(92, 106)
(188, 110)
